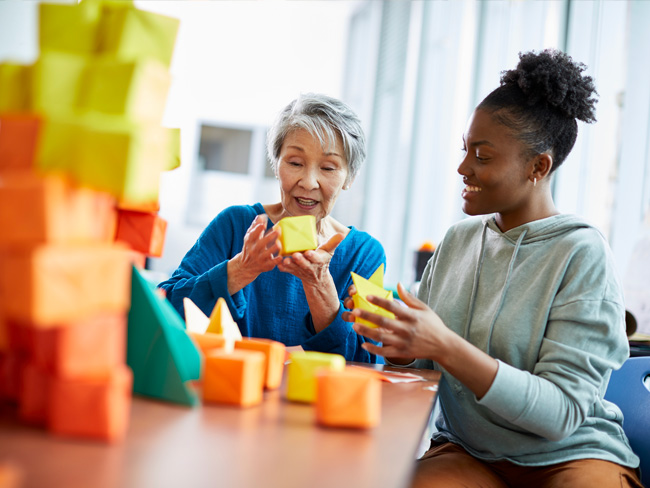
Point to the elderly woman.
(316, 147)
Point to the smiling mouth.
(306, 202)
(472, 189)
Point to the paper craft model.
(348, 398)
(235, 377)
(298, 234)
(141, 231)
(372, 286)
(159, 351)
(301, 374)
(221, 322)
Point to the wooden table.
(275, 444)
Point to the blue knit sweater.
(274, 305)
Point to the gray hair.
(325, 118)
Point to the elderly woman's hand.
(312, 267)
(260, 253)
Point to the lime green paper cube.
(69, 28)
(174, 160)
(107, 154)
(57, 82)
(372, 286)
(134, 89)
(298, 234)
(15, 95)
(130, 34)
(301, 373)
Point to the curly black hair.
(540, 101)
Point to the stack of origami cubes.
(81, 151)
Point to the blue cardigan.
(274, 305)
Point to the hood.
(539, 230)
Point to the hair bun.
(551, 77)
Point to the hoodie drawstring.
(477, 274)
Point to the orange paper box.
(33, 397)
(50, 285)
(11, 367)
(208, 341)
(18, 136)
(96, 408)
(234, 378)
(92, 347)
(274, 353)
(36, 210)
(348, 398)
(141, 231)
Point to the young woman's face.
(494, 170)
(311, 177)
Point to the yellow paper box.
(129, 34)
(15, 95)
(57, 81)
(69, 28)
(135, 89)
(370, 287)
(301, 373)
(107, 154)
(298, 234)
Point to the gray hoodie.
(545, 301)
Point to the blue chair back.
(627, 389)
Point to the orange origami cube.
(348, 398)
(50, 285)
(11, 367)
(36, 210)
(274, 353)
(33, 395)
(18, 136)
(208, 342)
(91, 347)
(94, 407)
(141, 231)
(234, 378)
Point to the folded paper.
(162, 356)
(235, 378)
(207, 341)
(274, 352)
(137, 90)
(33, 401)
(298, 234)
(69, 28)
(91, 407)
(130, 34)
(301, 373)
(91, 347)
(348, 398)
(221, 322)
(18, 137)
(49, 285)
(367, 287)
(195, 320)
(15, 84)
(52, 212)
(141, 231)
(58, 80)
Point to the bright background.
(413, 71)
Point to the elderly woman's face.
(311, 177)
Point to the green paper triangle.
(159, 351)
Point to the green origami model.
(159, 351)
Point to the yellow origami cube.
(107, 154)
(130, 34)
(15, 95)
(174, 160)
(298, 234)
(137, 90)
(57, 82)
(372, 286)
(69, 28)
(301, 373)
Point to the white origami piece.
(195, 320)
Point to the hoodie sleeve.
(584, 340)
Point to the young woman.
(521, 308)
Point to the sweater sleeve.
(202, 275)
(363, 256)
(584, 340)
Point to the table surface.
(275, 444)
